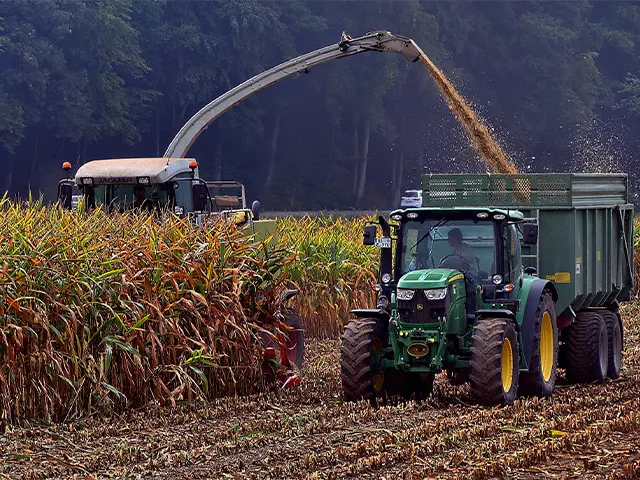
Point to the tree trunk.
(365, 159)
(158, 131)
(398, 179)
(356, 158)
(272, 159)
(34, 159)
(217, 163)
(9, 178)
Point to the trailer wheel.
(540, 380)
(494, 366)
(587, 349)
(614, 335)
(361, 340)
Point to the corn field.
(101, 312)
(333, 270)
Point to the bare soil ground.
(584, 431)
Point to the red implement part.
(278, 371)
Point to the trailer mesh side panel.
(538, 190)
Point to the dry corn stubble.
(309, 433)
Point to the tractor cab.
(148, 184)
(436, 246)
(155, 184)
(162, 184)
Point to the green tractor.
(497, 296)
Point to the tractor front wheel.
(494, 367)
(540, 380)
(362, 339)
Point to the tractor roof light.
(66, 166)
(482, 215)
(499, 216)
(193, 164)
(87, 181)
(397, 217)
(412, 215)
(143, 180)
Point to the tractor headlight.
(404, 294)
(435, 294)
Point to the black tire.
(540, 380)
(494, 344)
(360, 339)
(587, 349)
(614, 335)
(294, 342)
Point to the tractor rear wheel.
(587, 349)
(540, 380)
(614, 334)
(495, 359)
(362, 339)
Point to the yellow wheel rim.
(546, 346)
(378, 378)
(507, 365)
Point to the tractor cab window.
(183, 195)
(121, 197)
(513, 266)
(467, 245)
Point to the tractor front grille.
(421, 310)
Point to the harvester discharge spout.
(380, 41)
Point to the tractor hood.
(425, 279)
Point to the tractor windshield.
(114, 197)
(467, 245)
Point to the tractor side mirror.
(200, 193)
(65, 195)
(530, 233)
(369, 236)
(255, 209)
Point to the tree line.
(558, 83)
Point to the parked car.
(411, 198)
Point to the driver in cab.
(462, 257)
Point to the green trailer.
(498, 280)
